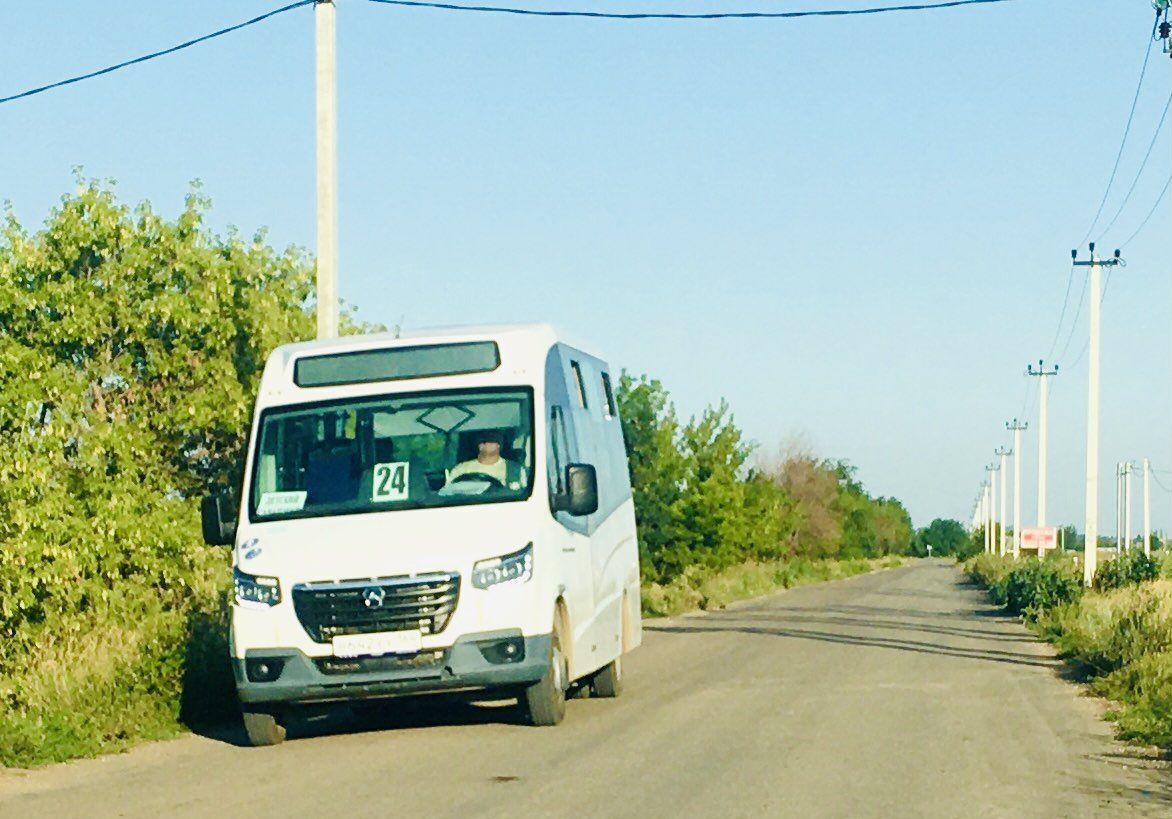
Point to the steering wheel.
(494, 483)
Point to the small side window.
(608, 394)
(580, 384)
(559, 455)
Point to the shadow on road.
(433, 711)
(900, 629)
(782, 630)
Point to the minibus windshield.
(403, 451)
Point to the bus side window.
(608, 395)
(559, 455)
(579, 384)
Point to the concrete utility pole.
(1091, 547)
(327, 170)
(1126, 504)
(1043, 376)
(1017, 429)
(1119, 506)
(985, 512)
(1147, 508)
(1003, 452)
(992, 470)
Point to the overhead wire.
(155, 55)
(1074, 322)
(1140, 172)
(1062, 315)
(1126, 132)
(1160, 483)
(1151, 213)
(686, 16)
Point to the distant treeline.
(703, 499)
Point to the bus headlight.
(512, 568)
(253, 589)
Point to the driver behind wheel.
(488, 462)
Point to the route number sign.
(390, 482)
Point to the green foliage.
(1035, 586)
(1029, 587)
(1121, 640)
(1118, 636)
(699, 588)
(988, 570)
(1111, 629)
(131, 352)
(1128, 569)
(701, 503)
(946, 537)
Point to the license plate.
(376, 645)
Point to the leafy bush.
(1035, 586)
(131, 352)
(1028, 587)
(1121, 640)
(1128, 569)
(1144, 690)
(987, 570)
(1106, 631)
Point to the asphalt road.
(893, 694)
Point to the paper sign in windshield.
(281, 503)
(390, 482)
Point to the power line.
(1126, 131)
(156, 54)
(1151, 213)
(1062, 315)
(1160, 483)
(1074, 322)
(681, 16)
(1142, 165)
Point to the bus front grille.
(329, 610)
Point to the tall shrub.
(131, 350)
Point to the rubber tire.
(608, 681)
(263, 729)
(545, 700)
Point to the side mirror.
(219, 521)
(581, 495)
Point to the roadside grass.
(1117, 637)
(131, 671)
(698, 588)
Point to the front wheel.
(545, 700)
(263, 729)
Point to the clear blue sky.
(857, 230)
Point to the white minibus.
(430, 512)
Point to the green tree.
(946, 537)
(658, 469)
(717, 528)
(131, 353)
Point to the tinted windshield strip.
(396, 364)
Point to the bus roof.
(523, 349)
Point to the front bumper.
(465, 666)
